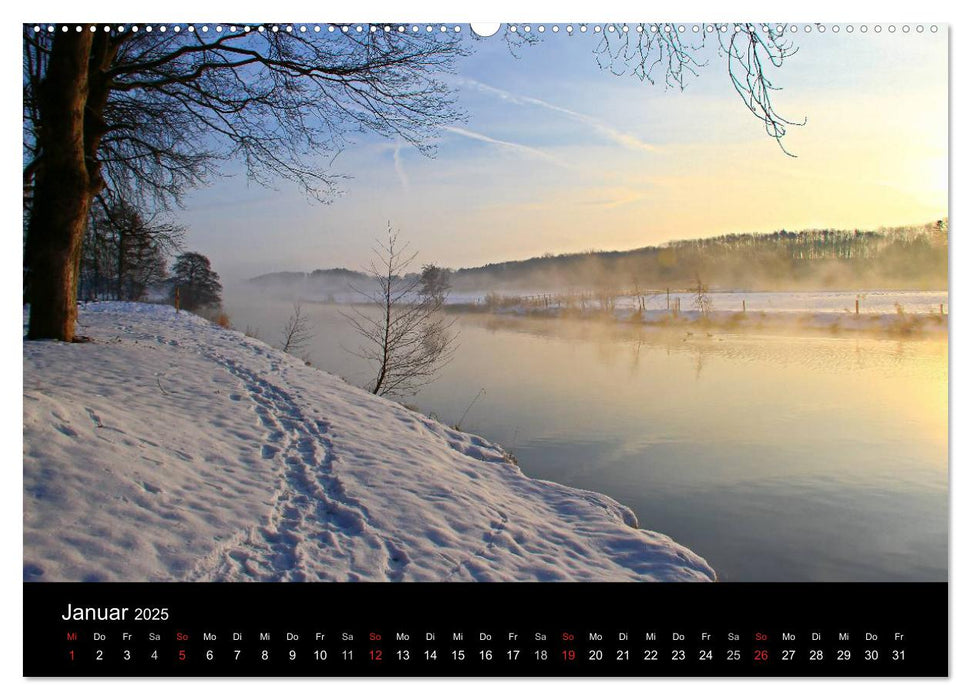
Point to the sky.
(558, 155)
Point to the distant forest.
(906, 257)
(336, 279)
(910, 257)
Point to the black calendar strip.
(555, 629)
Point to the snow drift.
(171, 449)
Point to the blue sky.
(559, 155)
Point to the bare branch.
(652, 52)
(281, 103)
(297, 333)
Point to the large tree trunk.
(62, 191)
(72, 100)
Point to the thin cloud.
(611, 199)
(622, 138)
(517, 147)
(399, 166)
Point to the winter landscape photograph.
(563, 302)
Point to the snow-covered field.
(894, 312)
(819, 302)
(884, 302)
(169, 448)
(871, 302)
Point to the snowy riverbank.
(170, 448)
(889, 313)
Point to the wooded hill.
(911, 257)
(906, 257)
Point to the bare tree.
(146, 116)
(297, 333)
(407, 337)
(702, 297)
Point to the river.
(776, 457)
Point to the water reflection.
(775, 457)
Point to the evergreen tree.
(196, 283)
(124, 252)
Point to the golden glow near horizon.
(559, 156)
(859, 164)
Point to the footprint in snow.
(95, 418)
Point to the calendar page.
(514, 349)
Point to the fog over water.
(777, 457)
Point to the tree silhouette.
(196, 283)
(149, 115)
(435, 282)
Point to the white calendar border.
(835, 11)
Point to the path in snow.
(169, 448)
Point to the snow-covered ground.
(894, 312)
(819, 302)
(883, 302)
(169, 448)
(826, 302)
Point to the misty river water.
(777, 458)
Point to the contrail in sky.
(518, 147)
(616, 135)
